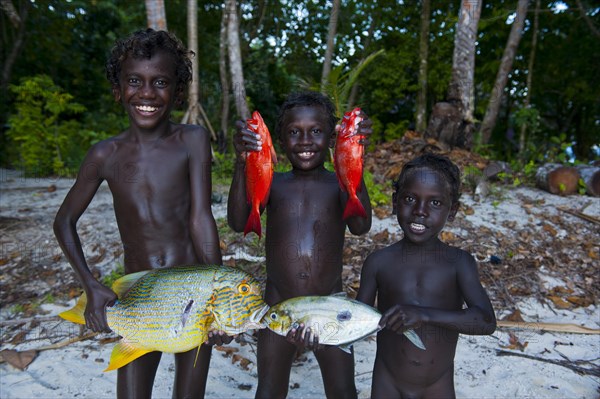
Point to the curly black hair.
(144, 44)
(438, 163)
(307, 99)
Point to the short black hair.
(438, 163)
(143, 44)
(307, 99)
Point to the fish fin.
(75, 314)
(354, 208)
(346, 348)
(124, 353)
(414, 338)
(341, 294)
(197, 353)
(253, 223)
(123, 284)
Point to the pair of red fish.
(348, 162)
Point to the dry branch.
(564, 363)
(550, 327)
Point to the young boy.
(422, 283)
(159, 174)
(304, 236)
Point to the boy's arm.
(356, 224)
(238, 208)
(65, 228)
(202, 223)
(368, 282)
(477, 319)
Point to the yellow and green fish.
(173, 309)
(335, 319)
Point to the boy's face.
(305, 137)
(424, 204)
(147, 89)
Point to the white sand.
(76, 370)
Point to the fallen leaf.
(18, 359)
(514, 316)
(559, 302)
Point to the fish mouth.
(256, 317)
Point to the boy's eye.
(161, 83)
(409, 199)
(316, 131)
(293, 132)
(133, 81)
(436, 203)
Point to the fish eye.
(273, 316)
(344, 315)
(243, 288)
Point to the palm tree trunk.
(516, 32)
(527, 102)
(331, 32)
(156, 15)
(224, 83)
(235, 60)
(421, 113)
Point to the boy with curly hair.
(159, 174)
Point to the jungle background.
(532, 94)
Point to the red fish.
(259, 173)
(348, 162)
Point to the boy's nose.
(420, 209)
(147, 91)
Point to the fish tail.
(253, 223)
(123, 353)
(75, 314)
(354, 208)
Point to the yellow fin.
(123, 353)
(75, 314)
(123, 284)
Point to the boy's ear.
(453, 210)
(116, 90)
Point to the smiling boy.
(159, 174)
(304, 235)
(424, 284)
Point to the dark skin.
(304, 241)
(421, 283)
(159, 175)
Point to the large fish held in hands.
(348, 162)
(173, 309)
(259, 173)
(336, 319)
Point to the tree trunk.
(195, 113)
(591, 177)
(557, 179)
(421, 113)
(331, 31)
(354, 90)
(452, 121)
(16, 48)
(527, 102)
(224, 85)
(235, 60)
(156, 15)
(516, 31)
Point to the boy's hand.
(303, 337)
(218, 338)
(400, 318)
(98, 299)
(245, 140)
(365, 128)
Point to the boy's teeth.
(417, 226)
(146, 108)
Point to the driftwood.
(557, 179)
(595, 371)
(550, 327)
(580, 215)
(591, 177)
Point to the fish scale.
(172, 310)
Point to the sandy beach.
(485, 366)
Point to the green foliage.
(222, 168)
(43, 130)
(377, 193)
(114, 275)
